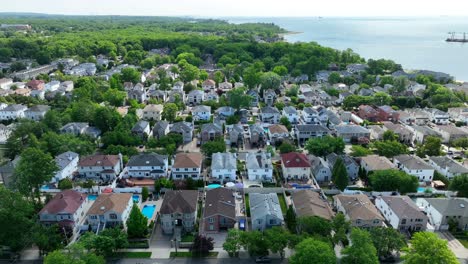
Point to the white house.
(152, 112)
(295, 166)
(67, 164)
(110, 210)
(310, 116)
(437, 116)
(291, 113)
(441, 211)
(12, 112)
(270, 115)
(259, 166)
(447, 166)
(187, 165)
(5, 83)
(36, 112)
(201, 113)
(224, 167)
(100, 167)
(5, 132)
(208, 85)
(401, 213)
(265, 210)
(415, 166)
(148, 165)
(52, 86)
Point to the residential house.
(236, 135)
(211, 132)
(179, 211)
(160, 129)
(442, 211)
(416, 116)
(257, 135)
(353, 133)
(259, 166)
(187, 165)
(270, 115)
(405, 135)
(211, 96)
(35, 85)
(195, 97)
(352, 167)
(447, 166)
(448, 132)
(208, 85)
(5, 132)
(109, 210)
(373, 163)
(183, 128)
(269, 97)
(201, 113)
(178, 86)
(36, 112)
(328, 118)
(174, 96)
(82, 128)
(415, 166)
(290, 113)
(437, 116)
(142, 129)
(305, 132)
(376, 132)
(401, 213)
(320, 169)
(225, 86)
(265, 211)
(100, 167)
(386, 113)
(255, 97)
(277, 134)
(219, 212)
(224, 167)
(66, 86)
(421, 133)
(309, 116)
(225, 112)
(152, 112)
(307, 203)
(295, 166)
(459, 114)
(5, 83)
(158, 95)
(67, 164)
(52, 86)
(13, 112)
(138, 93)
(359, 210)
(148, 165)
(66, 210)
(367, 112)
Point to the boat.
(452, 38)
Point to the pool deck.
(157, 203)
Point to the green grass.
(138, 244)
(282, 202)
(133, 255)
(188, 238)
(187, 254)
(247, 204)
(462, 237)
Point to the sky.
(226, 8)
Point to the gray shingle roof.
(446, 162)
(404, 207)
(262, 205)
(312, 128)
(211, 126)
(450, 206)
(140, 126)
(351, 129)
(220, 201)
(201, 108)
(184, 202)
(221, 161)
(62, 160)
(147, 159)
(413, 162)
(181, 127)
(38, 108)
(290, 110)
(259, 160)
(269, 110)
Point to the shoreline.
(289, 33)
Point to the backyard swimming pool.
(148, 211)
(92, 197)
(213, 186)
(136, 198)
(422, 189)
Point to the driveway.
(160, 244)
(460, 251)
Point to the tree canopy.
(393, 180)
(322, 146)
(428, 248)
(311, 250)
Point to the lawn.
(247, 204)
(133, 255)
(282, 202)
(188, 238)
(187, 254)
(462, 237)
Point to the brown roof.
(105, 202)
(179, 202)
(35, 84)
(209, 82)
(277, 129)
(404, 207)
(188, 160)
(375, 162)
(358, 207)
(295, 160)
(67, 201)
(99, 160)
(309, 203)
(220, 201)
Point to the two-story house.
(265, 211)
(290, 113)
(277, 134)
(211, 132)
(178, 211)
(152, 112)
(236, 135)
(373, 163)
(142, 129)
(352, 167)
(13, 112)
(437, 116)
(224, 167)
(415, 166)
(353, 133)
(109, 210)
(309, 116)
(208, 85)
(269, 97)
(307, 203)
(270, 115)
(255, 97)
(442, 211)
(320, 169)
(80, 128)
(195, 97)
(257, 135)
(160, 129)
(219, 212)
(36, 112)
(359, 210)
(401, 213)
(67, 164)
(185, 129)
(187, 165)
(295, 166)
(201, 113)
(100, 167)
(305, 132)
(447, 166)
(259, 166)
(147, 165)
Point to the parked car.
(263, 259)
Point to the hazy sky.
(216, 8)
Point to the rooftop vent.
(462, 205)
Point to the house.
(255, 97)
(328, 118)
(259, 166)
(211, 96)
(421, 133)
(309, 116)
(179, 211)
(148, 165)
(447, 166)
(66, 210)
(295, 166)
(158, 95)
(449, 133)
(187, 165)
(35, 85)
(224, 167)
(5, 83)
(211, 132)
(195, 97)
(359, 210)
(160, 129)
(52, 86)
(459, 114)
(142, 129)
(225, 86)
(373, 163)
(310, 203)
(183, 128)
(305, 132)
(437, 116)
(277, 133)
(36, 112)
(137, 94)
(320, 169)
(201, 113)
(415, 166)
(442, 211)
(291, 114)
(352, 167)
(225, 112)
(66, 86)
(67, 164)
(257, 135)
(353, 133)
(5, 132)
(152, 112)
(417, 117)
(376, 132)
(401, 213)
(109, 210)
(367, 112)
(265, 211)
(178, 86)
(269, 97)
(13, 112)
(100, 167)
(208, 85)
(386, 113)
(175, 96)
(219, 212)
(270, 115)
(236, 135)
(82, 128)
(405, 135)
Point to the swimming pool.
(148, 211)
(92, 197)
(213, 186)
(422, 189)
(136, 198)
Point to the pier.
(453, 38)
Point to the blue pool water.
(422, 189)
(214, 186)
(45, 187)
(92, 197)
(148, 211)
(136, 198)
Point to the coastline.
(289, 33)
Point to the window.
(113, 216)
(211, 220)
(403, 221)
(93, 217)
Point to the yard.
(133, 255)
(282, 202)
(462, 237)
(188, 238)
(188, 254)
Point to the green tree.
(362, 250)
(390, 149)
(382, 98)
(325, 145)
(47, 239)
(334, 77)
(202, 245)
(218, 77)
(428, 248)
(76, 254)
(213, 147)
(255, 243)
(311, 250)
(460, 185)
(389, 135)
(137, 224)
(130, 75)
(285, 122)
(461, 143)
(238, 99)
(144, 193)
(170, 112)
(278, 239)
(431, 147)
(387, 241)
(65, 184)
(340, 175)
(270, 80)
(189, 73)
(280, 70)
(360, 151)
(314, 225)
(232, 244)
(290, 219)
(285, 147)
(393, 180)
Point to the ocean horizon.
(417, 43)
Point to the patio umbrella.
(239, 185)
(107, 190)
(230, 184)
